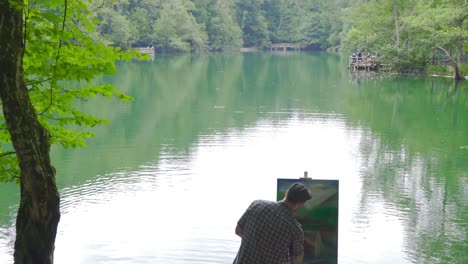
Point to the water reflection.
(414, 166)
(160, 212)
(166, 181)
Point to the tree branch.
(456, 70)
(40, 81)
(7, 153)
(447, 54)
(57, 57)
(63, 29)
(26, 17)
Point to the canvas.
(318, 217)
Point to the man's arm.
(297, 247)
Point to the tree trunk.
(460, 46)
(397, 26)
(456, 70)
(38, 213)
(460, 39)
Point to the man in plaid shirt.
(270, 233)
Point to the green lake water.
(168, 178)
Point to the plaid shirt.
(270, 234)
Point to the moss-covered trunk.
(38, 214)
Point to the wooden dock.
(147, 50)
(275, 46)
(368, 63)
(284, 46)
(248, 49)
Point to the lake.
(167, 179)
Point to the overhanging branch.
(456, 70)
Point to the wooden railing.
(147, 50)
(367, 62)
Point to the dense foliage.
(409, 34)
(71, 43)
(185, 25)
(403, 32)
(60, 61)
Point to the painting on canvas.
(318, 217)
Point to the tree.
(218, 18)
(39, 213)
(381, 27)
(313, 29)
(115, 28)
(176, 29)
(47, 60)
(408, 33)
(284, 17)
(442, 26)
(253, 23)
(141, 25)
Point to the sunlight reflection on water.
(183, 209)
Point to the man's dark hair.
(298, 193)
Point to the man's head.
(297, 195)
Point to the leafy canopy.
(60, 62)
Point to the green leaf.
(61, 65)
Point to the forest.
(409, 35)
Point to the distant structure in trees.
(275, 46)
(248, 49)
(147, 50)
(284, 46)
(359, 62)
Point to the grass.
(444, 70)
